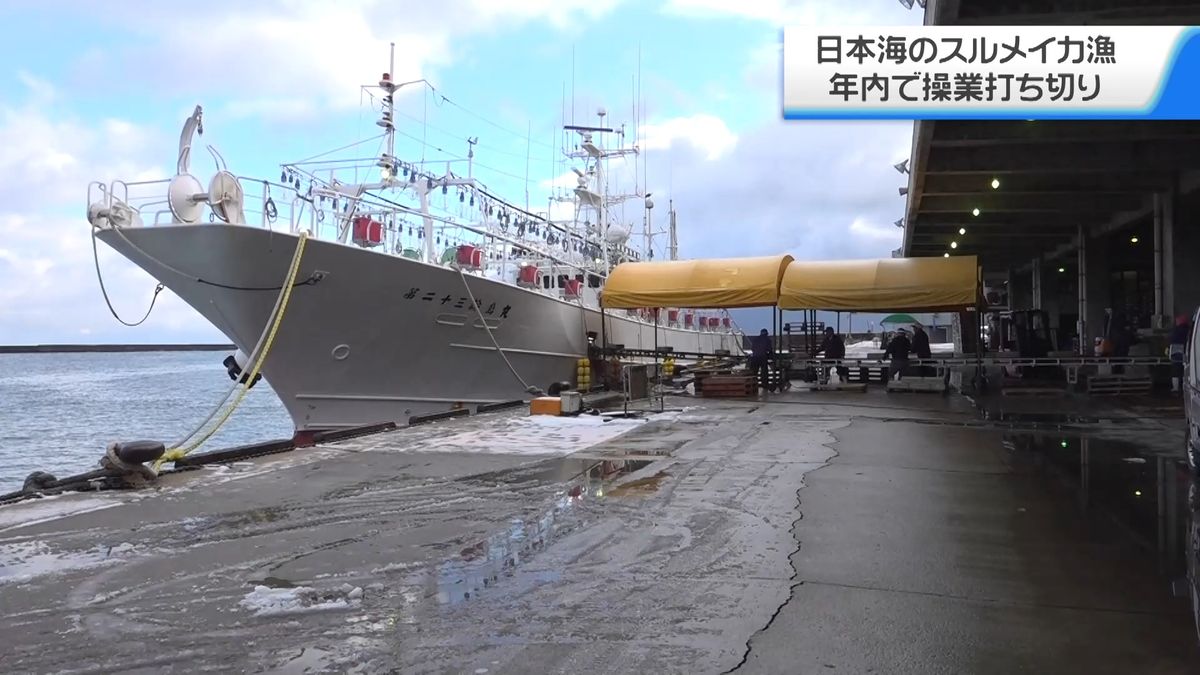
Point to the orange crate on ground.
(546, 405)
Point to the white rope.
(533, 391)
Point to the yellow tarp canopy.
(890, 285)
(700, 284)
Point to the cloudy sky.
(90, 93)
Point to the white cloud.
(278, 108)
(559, 211)
(50, 289)
(566, 180)
(284, 56)
(783, 12)
(818, 190)
(40, 91)
(866, 230)
(707, 133)
(559, 13)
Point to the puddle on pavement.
(483, 563)
(1151, 498)
(563, 470)
(640, 486)
(1055, 419)
(1146, 494)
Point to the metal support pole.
(777, 339)
(1085, 346)
(977, 328)
(1170, 249)
(1036, 268)
(657, 367)
(1159, 309)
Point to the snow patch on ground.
(51, 507)
(532, 435)
(22, 561)
(267, 601)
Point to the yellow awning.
(701, 284)
(890, 285)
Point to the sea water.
(59, 411)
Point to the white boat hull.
(381, 338)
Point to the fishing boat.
(418, 291)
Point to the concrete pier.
(810, 532)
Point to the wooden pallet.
(1114, 385)
(727, 386)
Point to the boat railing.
(324, 213)
(266, 204)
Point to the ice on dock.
(268, 601)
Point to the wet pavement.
(812, 533)
(957, 550)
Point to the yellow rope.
(174, 454)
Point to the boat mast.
(674, 241)
(602, 185)
(389, 102)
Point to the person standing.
(920, 348)
(835, 349)
(760, 358)
(898, 349)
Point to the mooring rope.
(531, 390)
(179, 450)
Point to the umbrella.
(898, 318)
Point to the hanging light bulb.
(283, 178)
